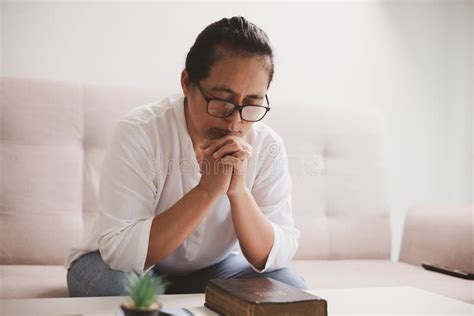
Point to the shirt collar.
(183, 129)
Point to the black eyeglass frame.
(238, 107)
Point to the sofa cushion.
(337, 167)
(41, 163)
(321, 274)
(52, 142)
(453, 243)
(28, 281)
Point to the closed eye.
(244, 103)
(229, 99)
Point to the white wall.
(411, 59)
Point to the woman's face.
(240, 80)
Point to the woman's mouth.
(224, 132)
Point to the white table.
(403, 300)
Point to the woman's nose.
(234, 117)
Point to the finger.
(227, 150)
(225, 166)
(231, 161)
(242, 154)
(242, 145)
(236, 163)
(246, 145)
(217, 143)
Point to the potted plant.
(143, 292)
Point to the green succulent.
(144, 290)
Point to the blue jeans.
(90, 276)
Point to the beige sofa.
(53, 138)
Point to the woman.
(189, 180)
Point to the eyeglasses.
(222, 108)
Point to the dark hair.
(236, 34)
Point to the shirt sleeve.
(272, 193)
(126, 199)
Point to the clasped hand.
(224, 164)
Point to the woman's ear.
(185, 83)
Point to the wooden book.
(261, 296)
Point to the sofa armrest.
(439, 234)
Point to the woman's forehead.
(224, 88)
(232, 75)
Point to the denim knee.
(90, 276)
(287, 276)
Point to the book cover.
(261, 296)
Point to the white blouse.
(150, 164)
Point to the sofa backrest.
(338, 173)
(53, 137)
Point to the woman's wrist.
(236, 195)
